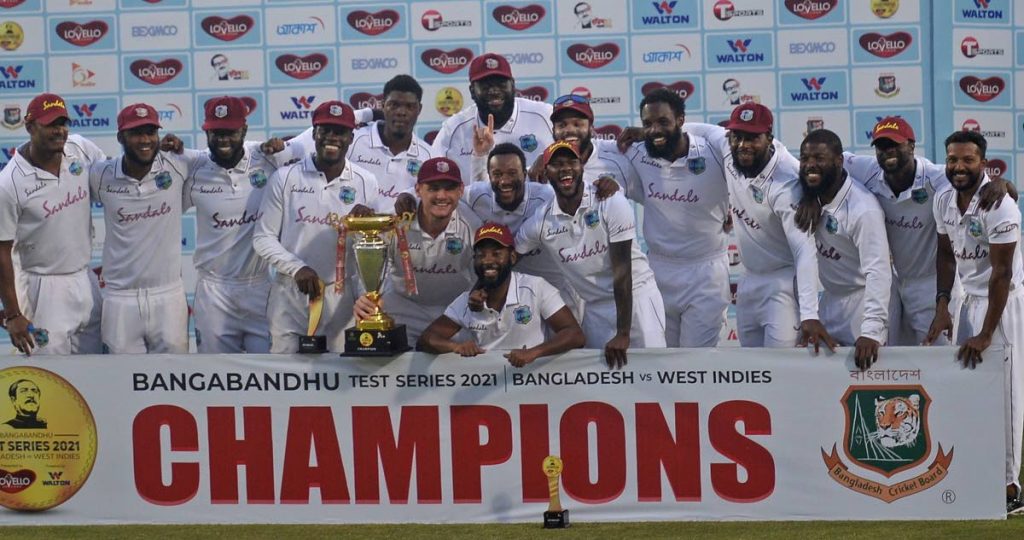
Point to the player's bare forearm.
(1001, 256)
(567, 335)
(945, 265)
(436, 339)
(8, 292)
(622, 285)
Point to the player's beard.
(664, 152)
(973, 180)
(488, 283)
(829, 177)
(218, 157)
(506, 108)
(133, 157)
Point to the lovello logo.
(995, 167)
(373, 24)
(607, 133)
(592, 57)
(432, 20)
(981, 10)
(970, 47)
(982, 89)
(446, 62)
(366, 100)
(811, 9)
(534, 93)
(301, 67)
(16, 481)
(10, 78)
(887, 432)
(227, 29)
(82, 35)
(10, 3)
(814, 90)
(518, 18)
(683, 88)
(156, 73)
(725, 10)
(885, 46)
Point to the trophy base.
(376, 342)
(312, 344)
(556, 520)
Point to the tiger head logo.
(897, 421)
(887, 427)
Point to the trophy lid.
(370, 223)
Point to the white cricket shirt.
(530, 301)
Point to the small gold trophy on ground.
(377, 335)
(555, 517)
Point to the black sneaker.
(1014, 506)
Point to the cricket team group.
(519, 235)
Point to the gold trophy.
(555, 517)
(312, 343)
(377, 335)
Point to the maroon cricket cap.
(494, 231)
(336, 113)
(489, 64)
(752, 118)
(225, 112)
(437, 169)
(45, 108)
(893, 128)
(573, 102)
(550, 151)
(137, 114)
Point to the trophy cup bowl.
(377, 335)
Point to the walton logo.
(302, 111)
(982, 11)
(738, 45)
(887, 432)
(665, 16)
(10, 78)
(11, 72)
(814, 91)
(814, 83)
(84, 110)
(303, 102)
(739, 53)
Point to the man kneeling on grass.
(510, 309)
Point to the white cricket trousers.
(696, 296)
(231, 315)
(767, 309)
(67, 306)
(153, 320)
(288, 314)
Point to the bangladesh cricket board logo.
(887, 433)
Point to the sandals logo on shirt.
(919, 195)
(75, 168)
(592, 218)
(347, 195)
(163, 180)
(453, 245)
(528, 143)
(523, 314)
(258, 178)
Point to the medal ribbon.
(403, 252)
(339, 265)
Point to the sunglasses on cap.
(575, 98)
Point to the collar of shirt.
(308, 167)
(585, 203)
(766, 172)
(449, 230)
(377, 142)
(840, 197)
(242, 166)
(509, 125)
(28, 169)
(159, 164)
(512, 296)
(972, 208)
(919, 182)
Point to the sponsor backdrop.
(735, 434)
(838, 64)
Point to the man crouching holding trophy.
(438, 265)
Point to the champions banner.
(676, 435)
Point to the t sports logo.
(725, 10)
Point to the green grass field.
(931, 530)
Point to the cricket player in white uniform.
(853, 254)
(297, 237)
(516, 309)
(678, 180)
(521, 121)
(45, 219)
(440, 258)
(594, 242)
(144, 307)
(226, 188)
(389, 149)
(777, 297)
(982, 247)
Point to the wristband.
(942, 294)
(9, 318)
